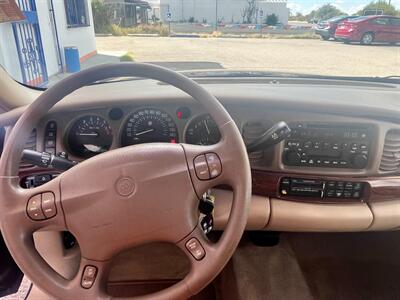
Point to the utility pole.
(182, 12)
(216, 15)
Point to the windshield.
(42, 42)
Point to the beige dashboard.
(378, 209)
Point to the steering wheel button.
(34, 208)
(201, 167)
(48, 205)
(88, 277)
(214, 164)
(195, 248)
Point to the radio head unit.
(327, 146)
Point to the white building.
(225, 11)
(32, 50)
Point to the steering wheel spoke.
(217, 164)
(33, 209)
(91, 279)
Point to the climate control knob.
(292, 157)
(359, 161)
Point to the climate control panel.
(303, 187)
(327, 146)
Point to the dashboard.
(93, 133)
(85, 134)
(337, 171)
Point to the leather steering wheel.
(125, 197)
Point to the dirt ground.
(283, 55)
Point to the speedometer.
(148, 126)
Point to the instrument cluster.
(92, 134)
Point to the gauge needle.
(88, 134)
(144, 132)
(205, 124)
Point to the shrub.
(271, 20)
(127, 57)
(118, 31)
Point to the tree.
(271, 20)
(387, 7)
(101, 17)
(298, 17)
(326, 11)
(249, 12)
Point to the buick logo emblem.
(125, 186)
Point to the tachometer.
(202, 130)
(89, 135)
(148, 126)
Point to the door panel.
(381, 28)
(395, 29)
(10, 274)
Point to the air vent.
(391, 152)
(31, 145)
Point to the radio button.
(347, 194)
(331, 184)
(338, 194)
(348, 186)
(335, 146)
(340, 185)
(330, 193)
(308, 144)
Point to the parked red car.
(369, 29)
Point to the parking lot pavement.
(282, 55)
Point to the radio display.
(328, 146)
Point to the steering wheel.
(125, 197)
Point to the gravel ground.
(283, 55)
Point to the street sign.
(261, 13)
(168, 16)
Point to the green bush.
(271, 20)
(101, 20)
(159, 29)
(118, 31)
(127, 57)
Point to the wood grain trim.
(266, 183)
(377, 189)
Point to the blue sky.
(349, 6)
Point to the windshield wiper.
(262, 74)
(116, 79)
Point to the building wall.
(8, 49)
(227, 11)
(81, 37)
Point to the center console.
(328, 145)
